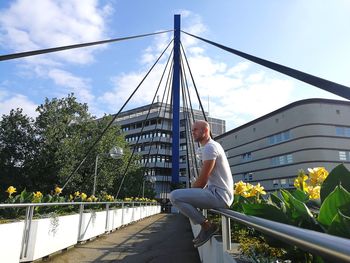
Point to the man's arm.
(207, 168)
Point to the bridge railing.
(333, 248)
(105, 206)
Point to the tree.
(42, 153)
(18, 145)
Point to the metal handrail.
(336, 249)
(30, 212)
(72, 203)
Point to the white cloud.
(79, 86)
(36, 24)
(9, 101)
(237, 93)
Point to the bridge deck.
(160, 238)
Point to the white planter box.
(137, 213)
(49, 235)
(11, 241)
(114, 219)
(92, 224)
(127, 215)
(212, 251)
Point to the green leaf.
(329, 208)
(26, 197)
(339, 175)
(340, 225)
(299, 213)
(266, 211)
(297, 208)
(300, 195)
(274, 199)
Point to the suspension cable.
(151, 143)
(141, 132)
(194, 83)
(191, 145)
(55, 49)
(114, 118)
(167, 150)
(321, 83)
(185, 114)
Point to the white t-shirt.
(221, 177)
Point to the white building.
(304, 134)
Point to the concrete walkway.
(158, 239)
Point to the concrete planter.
(115, 217)
(49, 235)
(138, 213)
(92, 225)
(127, 215)
(11, 241)
(212, 251)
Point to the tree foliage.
(38, 154)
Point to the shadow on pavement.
(158, 239)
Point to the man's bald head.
(201, 131)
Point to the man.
(212, 189)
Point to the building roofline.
(146, 107)
(289, 106)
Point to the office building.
(304, 134)
(154, 144)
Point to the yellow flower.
(77, 194)
(240, 187)
(83, 196)
(317, 175)
(109, 198)
(258, 189)
(71, 197)
(299, 182)
(11, 190)
(58, 190)
(314, 192)
(89, 199)
(38, 195)
(93, 198)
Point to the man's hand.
(207, 168)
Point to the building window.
(279, 137)
(247, 156)
(282, 160)
(342, 131)
(291, 181)
(283, 182)
(247, 177)
(343, 156)
(276, 183)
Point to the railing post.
(133, 212)
(122, 213)
(226, 233)
(81, 210)
(26, 231)
(205, 212)
(140, 208)
(107, 217)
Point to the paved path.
(158, 239)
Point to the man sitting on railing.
(212, 189)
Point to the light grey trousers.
(189, 199)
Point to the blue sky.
(312, 36)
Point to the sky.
(312, 36)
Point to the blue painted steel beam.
(176, 102)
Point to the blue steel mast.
(176, 102)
